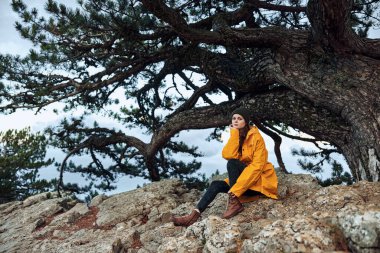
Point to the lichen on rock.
(306, 218)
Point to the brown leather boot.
(186, 220)
(234, 206)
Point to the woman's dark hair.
(242, 134)
(245, 113)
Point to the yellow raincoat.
(259, 175)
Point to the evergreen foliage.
(22, 155)
(338, 176)
(173, 62)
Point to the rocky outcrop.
(306, 218)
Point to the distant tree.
(22, 154)
(308, 66)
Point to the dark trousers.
(234, 169)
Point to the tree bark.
(346, 84)
(323, 81)
(348, 87)
(333, 74)
(333, 97)
(152, 168)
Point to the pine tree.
(314, 161)
(187, 65)
(22, 155)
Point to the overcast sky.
(11, 42)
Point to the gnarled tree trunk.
(323, 79)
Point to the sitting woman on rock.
(249, 172)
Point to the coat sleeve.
(231, 149)
(252, 173)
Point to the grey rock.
(295, 235)
(361, 228)
(97, 200)
(306, 218)
(36, 198)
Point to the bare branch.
(263, 37)
(277, 142)
(313, 140)
(276, 7)
(198, 92)
(62, 167)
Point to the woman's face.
(238, 121)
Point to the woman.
(249, 172)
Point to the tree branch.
(276, 7)
(72, 88)
(331, 28)
(277, 142)
(198, 92)
(313, 140)
(304, 115)
(263, 37)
